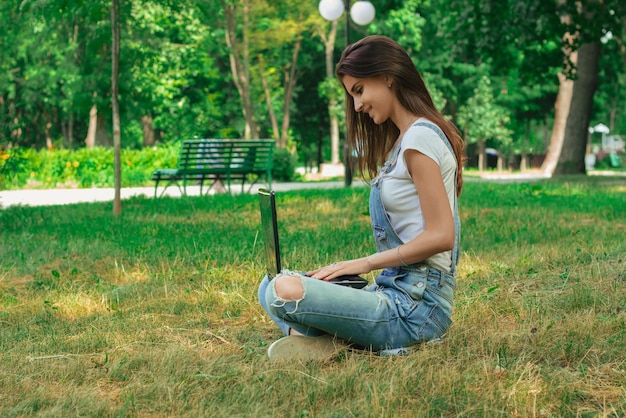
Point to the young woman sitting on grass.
(414, 157)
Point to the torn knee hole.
(289, 288)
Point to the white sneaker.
(391, 352)
(299, 347)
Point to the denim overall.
(407, 305)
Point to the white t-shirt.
(398, 191)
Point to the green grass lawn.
(155, 313)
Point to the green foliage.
(404, 25)
(175, 77)
(284, 165)
(609, 100)
(482, 119)
(103, 315)
(83, 167)
(12, 162)
(329, 89)
(176, 70)
(437, 95)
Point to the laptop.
(269, 227)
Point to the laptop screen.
(269, 228)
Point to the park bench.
(223, 160)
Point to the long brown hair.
(375, 56)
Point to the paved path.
(68, 196)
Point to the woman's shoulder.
(423, 133)
(426, 127)
(425, 136)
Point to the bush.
(13, 163)
(284, 165)
(85, 167)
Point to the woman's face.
(371, 95)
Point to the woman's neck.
(405, 123)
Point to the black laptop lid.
(269, 227)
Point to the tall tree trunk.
(147, 127)
(15, 114)
(334, 134)
(329, 47)
(268, 99)
(48, 137)
(482, 160)
(563, 101)
(572, 157)
(115, 59)
(290, 84)
(240, 64)
(2, 114)
(103, 133)
(70, 125)
(566, 152)
(523, 163)
(612, 113)
(561, 110)
(90, 140)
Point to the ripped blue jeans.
(406, 306)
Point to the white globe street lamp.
(362, 13)
(331, 9)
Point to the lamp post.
(362, 13)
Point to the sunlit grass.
(155, 313)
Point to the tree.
(310, 121)
(330, 88)
(586, 23)
(58, 69)
(577, 85)
(529, 106)
(176, 79)
(481, 119)
(10, 41)
(176, 75)
(115, 63)
(609, 100)
(237, 20)
(494, 32)
(573, 113)
(279, 40)
(263, 41)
